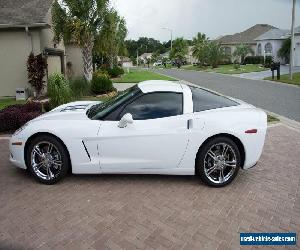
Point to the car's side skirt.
(173, 171)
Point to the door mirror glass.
(126, 119)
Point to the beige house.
(248, 36)
(25, 27)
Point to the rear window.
(205, 100)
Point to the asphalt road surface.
(282, 99)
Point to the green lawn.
(228, 69)
(4, 102)
(272, 118)
(285, 79)
(135, 76)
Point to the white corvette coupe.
(155, 127)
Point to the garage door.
(297, 55)
(54, 64)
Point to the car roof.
(160, 85)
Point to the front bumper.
(17, 152)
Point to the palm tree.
(241, 51)
(200, 48)
(179, 49)
(215, 54)
(79, 21)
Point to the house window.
(268, 48)
(227, 51)
(259, 49)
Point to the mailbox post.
(275, 66)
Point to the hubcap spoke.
(230, 163)
(212, 154)
(38, 151)
(50, 147)
(221, 177)
(212, 169)
(225, 149)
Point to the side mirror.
(126, 119)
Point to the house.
(297, 47)
(125, 62)
(165, 55)
(145, 56)
(270, 42)
(229, 42)
(189, 57)
(25, 27)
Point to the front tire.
(47, 159)
(218, 162)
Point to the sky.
(212, 17)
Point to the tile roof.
(246, 36)
(273, 34)
(23, 12)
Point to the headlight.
(18, 131)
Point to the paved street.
(282, 99)
(152, 212)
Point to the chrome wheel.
(220, 163)
(46, 160)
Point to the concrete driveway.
(283, 99)
(152, 212)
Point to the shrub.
(101, 83)
(59, 90)
(36, 66)
(15, 116)
(268, 61)
(236, 66)
(254, 60)
(115, 71)
(79, 86)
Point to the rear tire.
(47, 159)
(218, 162)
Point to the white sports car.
(155, 127)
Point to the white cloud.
(213, 17)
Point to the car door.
(157, 138)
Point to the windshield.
(98, 111)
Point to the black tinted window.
(204, 100)
(155, 105)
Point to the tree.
(36, 67)
(241, 51)
(110, 41)
(79, 22)
(200, 48)
(155, 56)
(215, 54)
(284, 51)
(179, 50)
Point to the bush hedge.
(15, 116)
(80, 87)
(59, 91)
(115, 71)
(254, 60)
(101, 83)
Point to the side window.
(155, 105)
(205, 100)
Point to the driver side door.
(157, 138)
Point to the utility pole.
(292, 50)
(171, 33)
(137, 57)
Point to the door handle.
(190, 124)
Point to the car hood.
(70, 111)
